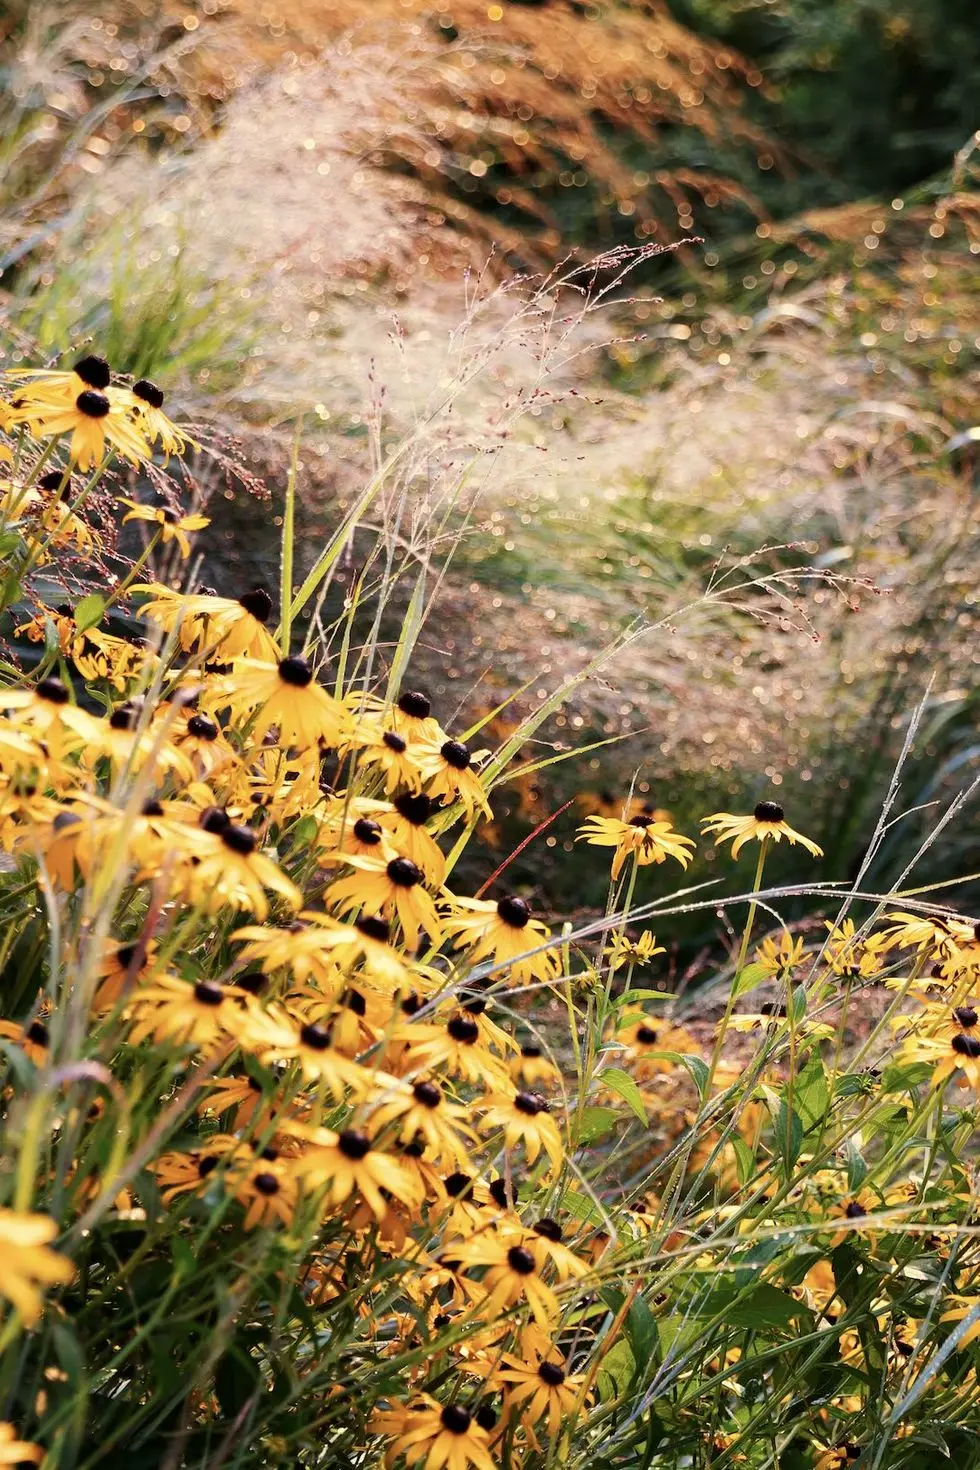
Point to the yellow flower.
(14, 1451)
(168, 1009)
(145, 401)
(406, 826)
(622, 951)
(285, 695)
(346, 1163)
(541, 1390)
(28, 1264)
(47, 711)
(392, 889)
(446, 1436)
(387, 753)
(227, 627)
(766, 822)
(503, 932)
(94, 421)
(524, 1118)
(231, 872)
(511, 1275)
(645, 838)
(420, 1109)
(171, 525)
(447, 768)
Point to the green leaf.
(641, 1329)
(856, 1167)
(622, 1084)
(788, 1134)
(595, 1123)
(811, 1093)
(750, 977)
(618, 1368)
(744, 1159)
(765, 1306)
(88, 613)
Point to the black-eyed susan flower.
(231, 872)
(447, 769)
(33, 1038)
(387, 753)
(456, 1046)
(504, 932)
(170, 524)
(14, 1451)
(60, 386)
(286, 696)
(412, 717)
(202, 741)
(95, 422)
(767, 823)
(29, 1265)
(624, 951)
(406, 1110)
(145, 401)
(545, 1239)
(243, 1093)
(129, 743)
(405, 823)
(642, 837)
(393, 889)
(510, 1276)
(443, 1435)
(47, 711)
(956, 1051)
(167, 1009)
(274, 1037)
(540, 1390)
(265, 1185)
(532, 1069)
(524, 1119)
(347, 1163)
(227, 627)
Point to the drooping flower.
(95, 422)
(393, 889)
(447, 768)
(170, 524)
(524, 1118)
(286, 696)
(227, 627)
(145, 401)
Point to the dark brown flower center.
(206, 993)
(966, 1046)
(367, 831)
(414, 808)
(549, 1229)
(455, 1418)
(429, 1094)
(202, 728)
(241, 840)
(552, 1374)
(415, 704)
(296, 672)
(258, 603)
(513, 911)
(965, 1016)
(463, 1029)
(520, 1259)
(93, 371)
(266, 1184)
(404, 873)
(768, 811)
(646, 1034)
(92, 404)
(214, 819)
(315, 1037)
(353, 1144)
(530, 1103)
(455, 754)
(459, 1186)
(53, 691)
(148, 392)
(394, 742)
(373, 928)
(38, 1033)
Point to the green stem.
(739, 967)
(286, 573)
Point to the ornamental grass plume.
(317, 1157)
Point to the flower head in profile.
(347, 1163)
(447, 769)
(767, 823)
(227, 627)
(624, 951)
(643, 837)
(392, 889)
(171, 525)
(145, 402)
(29, 1264)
